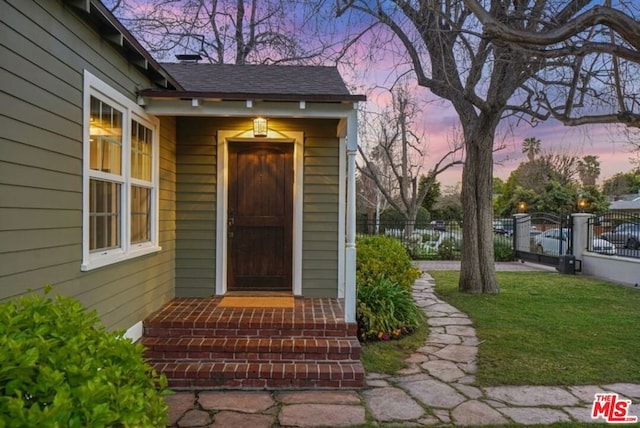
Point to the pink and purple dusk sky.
(438, 119)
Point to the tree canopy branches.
(535, 59)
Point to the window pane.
(104, 215)
(141, 144)
(105, 135)
(140, 210)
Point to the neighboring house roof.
(625, 205)
(269, 82)
(627, 197)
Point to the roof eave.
(227, 96)
(108, 26)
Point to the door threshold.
(259, 294)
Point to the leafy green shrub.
(502, 249)
(386, 310)
(449, 249)
(381, 256)
(413, 245)
(59, 368)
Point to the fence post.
(580, 233)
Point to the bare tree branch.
(398, 155)
(621, 23)
(237, 31)
(533, 59)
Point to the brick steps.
(199, 345)
(250, 329)
(251, 349)
(229, 375)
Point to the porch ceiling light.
(260, 128)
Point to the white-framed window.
(120, 177)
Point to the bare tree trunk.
(477, 188)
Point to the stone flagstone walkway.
(436, 389)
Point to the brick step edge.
(345, 330)
(159, 348)
(232, 375)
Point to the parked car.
(625, 235)
(505, 227)
(556, 241)
(438, 238)
(438, 225)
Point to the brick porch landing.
(199, 345)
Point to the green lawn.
(550, 329)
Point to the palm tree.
(531, 147)
(589, 170)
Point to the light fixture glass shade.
(522, 207)
(260, 127)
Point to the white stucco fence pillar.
(580, 232)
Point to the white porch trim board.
(134, 333)
(342, 179)
(350, 251)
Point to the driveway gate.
(542, 238)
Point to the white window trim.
(131, 111)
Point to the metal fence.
(437, 239)
(622, 229)
(442, 239)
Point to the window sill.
(102, 260)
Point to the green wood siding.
(196, 207)
(44, 52)
(320, 228)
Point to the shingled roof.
(269, 82)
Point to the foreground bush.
(386, 310)
(449, 249)
(381, 256)
(502, 249)
(59, 368)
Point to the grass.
(388, 356)
(550, 329)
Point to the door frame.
(224, 138)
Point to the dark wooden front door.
(260, 216)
